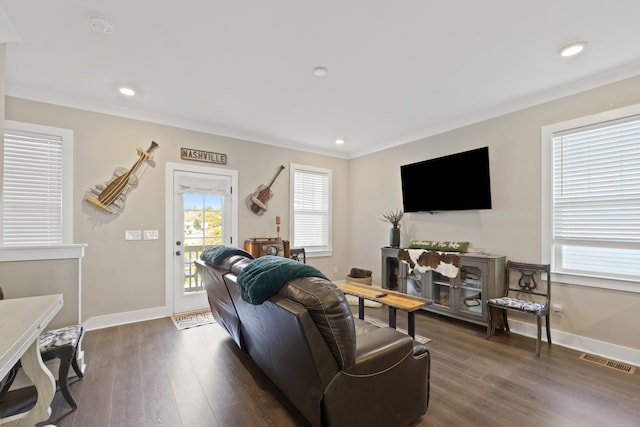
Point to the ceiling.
(397, 70)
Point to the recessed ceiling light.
(339, 141)
(320, 71)
(100, 25)
(127, 91)
(572, 49)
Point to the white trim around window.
(552, 247)
(64, 224)
(310, 209)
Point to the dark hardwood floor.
(150, 374)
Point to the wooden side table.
(394, 300)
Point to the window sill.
(35, 253)
(597, 282)
(311, 254)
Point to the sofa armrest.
(390, 379)
(380, 350)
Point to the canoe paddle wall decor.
(111, 196)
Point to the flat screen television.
(451, 183)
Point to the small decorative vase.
(394, 236)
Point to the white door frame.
(170, 168)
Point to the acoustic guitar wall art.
(111, 196)
(257, 202)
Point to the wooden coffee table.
(394, 300)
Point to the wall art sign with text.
(203, 156)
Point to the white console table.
(22, 320)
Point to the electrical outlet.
(335, 268)
(557, 308)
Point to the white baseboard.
(576, 342)
(109, 320)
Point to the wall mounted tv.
(451, 183)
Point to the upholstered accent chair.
(62, 344)
(527, 290)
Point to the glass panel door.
(202, 217)
(470, 295)
(442, 289)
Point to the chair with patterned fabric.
(62, 344)
(527, 290)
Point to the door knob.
(178, 243)
(178, 253)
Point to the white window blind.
(310, 214)
(596, 199)
(32, 189)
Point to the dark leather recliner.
(336, 370)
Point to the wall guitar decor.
(257, 201)
(110, 196)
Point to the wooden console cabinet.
(464, 297)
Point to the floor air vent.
(619, 366)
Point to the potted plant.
(393, 217)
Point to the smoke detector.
(320, 71)
(101, 25)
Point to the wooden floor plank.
(151, 374)
(127, 379)
(160, 406)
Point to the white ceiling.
(398, 70)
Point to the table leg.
(392, 317)
(411, 324)
(360, 308)
(45, 385)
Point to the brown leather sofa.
(336, 369)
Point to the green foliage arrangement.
(392, 217)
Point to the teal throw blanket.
(264, 276)
(217, 254)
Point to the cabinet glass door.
(414, 285)
(441, 290)
(470, 291)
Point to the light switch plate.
(150, 234)
(133, 235)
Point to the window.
(37, 184)
(311, 209)
(593, 199)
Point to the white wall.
(125, 276)
(121, 276)
(513, 227)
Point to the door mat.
(193, 319)
(381, 324)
